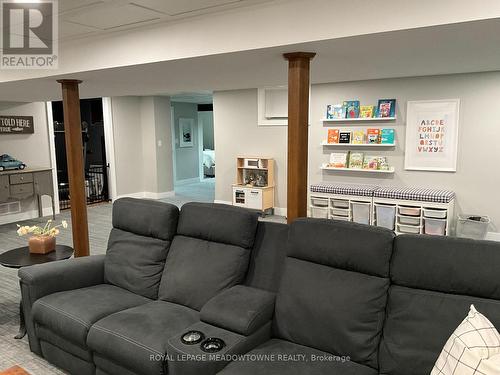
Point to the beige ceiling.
(82, 18)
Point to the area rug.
(16, 370)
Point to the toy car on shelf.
(8, 162)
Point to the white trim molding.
(147, 195)
(109, 140)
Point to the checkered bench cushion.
(344, 189)
(415, 194)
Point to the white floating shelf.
(359, 170)
(325, 143)
(359, 119)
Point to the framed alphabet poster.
(432, 135)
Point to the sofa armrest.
(185, 359)
(44, 279)
(240, 309)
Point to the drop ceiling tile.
(176, 7)
(69, 5)
(108, 17)
(70, 29)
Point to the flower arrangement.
(49, 229)
(43, 239)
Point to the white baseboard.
(223, 202)
(278, 211)
(26, 215)
(165, 194)
(187, 181)
(147, 195)
(493, 236)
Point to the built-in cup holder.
(192, 337)
(212, 345)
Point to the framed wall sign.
(16, 125)
(186, 126)
(432, 135)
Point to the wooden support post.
(298, 118)
(76, 173)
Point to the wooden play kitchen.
(254, 187)
(404, 210)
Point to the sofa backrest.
(209, 253)
(333, 291)
(268, 256)
(139, 243)
(434, 282)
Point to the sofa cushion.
(268, 256)
(196, 270)
(146, 218)
(209, 254)
(138, 244)
(137, 338)
(70, 314)
(418, 324)
(450, 265)
(218, 223)
(475, 344)
(334, 288)
(299, 360)
(435, 280)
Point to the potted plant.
(43, 239)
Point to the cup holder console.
(212, 345)
(192, 337)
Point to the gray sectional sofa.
(315, 297)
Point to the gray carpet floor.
(16, 352)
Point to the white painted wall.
(32, 149)
(476, 181)
(143, 153)
(237, 133)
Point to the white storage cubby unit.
(404, 210)
(414, 211)
(342, 202)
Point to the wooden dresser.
(30, 183)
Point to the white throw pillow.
(473, 349)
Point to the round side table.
(21, 257)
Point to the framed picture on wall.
(186, 126)
(432, 135)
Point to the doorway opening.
(94, 152)
(193, 147)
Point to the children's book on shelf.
(386, 108)
(358, 137)
(370, 162)
(334, 111)
(373, 135)
(387, 136)
(344, 137)
(383, 165)
(356, 160)
(352, 108)
(333, 136)
(366, 111)
(338, 159)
